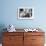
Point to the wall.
(9, 13)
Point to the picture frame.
(25, 13)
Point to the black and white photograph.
(25, 13)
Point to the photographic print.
(25, 13)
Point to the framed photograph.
(25, 13)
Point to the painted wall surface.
(8, 13)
